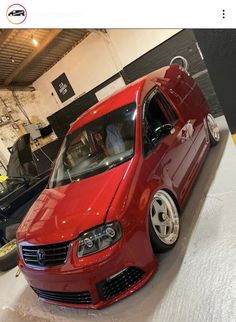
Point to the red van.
(114, 198)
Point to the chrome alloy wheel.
(164, 217)
(213, 128)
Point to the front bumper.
(99, 279)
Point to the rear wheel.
(163, 222)
(213, 130)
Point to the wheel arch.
(173, 196)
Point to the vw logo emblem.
(41, 256)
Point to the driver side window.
(153, 118)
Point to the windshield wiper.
(69, 175)
(92, 172)
(119, 161)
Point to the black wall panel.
(219, 50)
(61, 120)
(181, 44)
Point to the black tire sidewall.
(213, 142)
(157, 245)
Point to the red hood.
(64, 212)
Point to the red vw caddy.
(121, 178)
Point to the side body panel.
(187, 99)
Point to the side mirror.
(164, 130)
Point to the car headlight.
(99, 238)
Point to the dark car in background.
(17, 194)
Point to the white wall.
(86, 66)
(97, 58)
(133, 43)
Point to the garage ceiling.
(21, 62)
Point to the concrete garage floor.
(195, 282)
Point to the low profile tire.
(8, 256)
(164, 225)
(213, 130)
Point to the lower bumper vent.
(65, 297)
(118, 283)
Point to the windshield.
(96, 147)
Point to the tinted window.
(153, 118)
(168, 108)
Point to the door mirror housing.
(164, 130)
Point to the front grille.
(46, 255)
(118, 283)
(65, 297)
